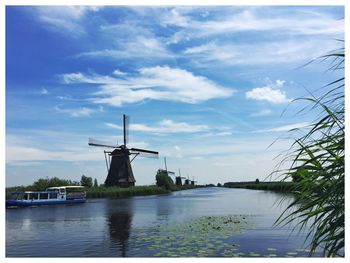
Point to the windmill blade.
(126, 120)
(93, 142)
(144, 153)
(171, 173)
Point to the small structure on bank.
(118, 160)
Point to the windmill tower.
(178, 179)
(187, 181)
(118, 161)
(193, 182)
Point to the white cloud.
(263, 112)
(156, 83)
(175, 18)
(255, 20)
(141, 46)
(164, 126)
(269, 93)
(288, 127)
(79, 112)
(118, 72)
(43, 91)
(260, 53)
(65, 19)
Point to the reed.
(318, 164)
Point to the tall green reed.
(318, 161)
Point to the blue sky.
(204, 86)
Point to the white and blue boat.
(51, 196)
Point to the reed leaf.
(317, 157)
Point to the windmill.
(178, 179)
(118, 161)
(187, 181)
(193, 181)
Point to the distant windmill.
(118, 161)
(193, 182)
(178, 179)
(187, 181)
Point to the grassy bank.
(269, 186)
(112, 192)
(117, 192)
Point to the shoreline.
(114, 192)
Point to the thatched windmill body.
(118, 161)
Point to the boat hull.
(36, 203)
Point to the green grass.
(117, 192)
(269, 186)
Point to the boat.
(51, 196)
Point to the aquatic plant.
(204, 236)
(318, 164)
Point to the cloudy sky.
(204, 86)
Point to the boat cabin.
(52, 195)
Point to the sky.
(209, 88)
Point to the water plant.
(318, 168)
(203, 236)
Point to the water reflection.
(119, 220)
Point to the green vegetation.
(41, 184)
(204, 236)
(318, 168)
(97, 191)
(86, 181)
(117, 192)
(270, 186)
(164, 180)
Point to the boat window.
(20, 196)
(25, 197)
(62, 190)
(33, 196)
(14, 196)
(52, 195)
(44, 196)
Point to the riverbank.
(269, 186)
(114, 192)
(117, 192)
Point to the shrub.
(164, 180)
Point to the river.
(203, 222)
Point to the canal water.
(203, 222)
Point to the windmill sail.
(94, 142)
(126, 129)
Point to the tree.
(164, 180)
(95, 183)
(257, 181)
(86, 181)
(43, 183)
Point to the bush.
(164, 180)
(86, 181)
